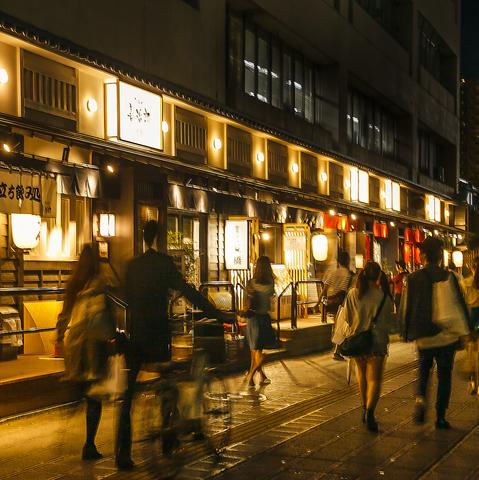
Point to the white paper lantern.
(25, 230)
(320, 247)
(458, 258)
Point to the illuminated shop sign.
(392, 195)
(359, 185)
(236, 245)
(133, 115)
(433, 208)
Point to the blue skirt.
(261, 334)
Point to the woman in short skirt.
(261, 335)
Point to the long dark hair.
(385, 285)
(263, 273)
(87, 268)
(370, 273)
(476, 273)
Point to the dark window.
(427, 153)
(282, 78)
(381, 11)
(369, 125)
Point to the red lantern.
(408, 235)
(367, 246)
(419, 236)
(407, 253)
(384, 230)
(330, 221)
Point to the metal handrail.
(278, 308)
(294, 300)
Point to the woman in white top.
(370, 299)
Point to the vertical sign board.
(236, 245)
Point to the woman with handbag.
(85, 346)
(368, 311)
(260, 333)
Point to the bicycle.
(185, 414)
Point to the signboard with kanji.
(236, 245)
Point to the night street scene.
(239, 239)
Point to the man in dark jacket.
(148, 280)
(433, 343)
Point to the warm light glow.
(164, 126)
(446, 258)
(217, 144)
(436, 232)
(25, 230)
(107, 225)
(91, 105)
(260, 157)
(110, 168)
(319, 244)
(265, 236)
(236, 245)
(458, 258)
(295, 168)
(332, 212)
(6, 147)
(111, 94)
(459, 237)
(347, 184)
(433, 208)
(354, 184)
(3, 76)
(324, 177)
(354, 216)
(363, 186)
(437, 209)
(392, 224)
(396, 200)
(359, 261)
(388, 189)
(55, 242)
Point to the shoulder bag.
(362, 342)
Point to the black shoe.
(419, 415)
(443, 424)
(124, 462)
(90, 452)
(371, 423)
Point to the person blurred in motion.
(148, 280)
(435, 342)
(260, 333)
(370, 306)
(470, 287)
(398, 281)
(336, 285)
(90, 327)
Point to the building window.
(282, 78)
(381, 11)
(435, 55)
(370, 126)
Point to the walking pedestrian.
(336, 285)
(259, 292)
(369, 307)
(90, 327)
(421, 310)
(398, 281)
(148, 280)
(470, 287)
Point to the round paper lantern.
(320, 247)
(25, 230)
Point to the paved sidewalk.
(46, 446)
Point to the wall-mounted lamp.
(354, 216)
(25, 230)
(3, 76)
(332, 212)
(107, 225)
(91, 105)
(110, 168)
(324, 177)
(265, 236)
(295, 168)
(260, 157)
(164, 126)
(217, 143)
(6, 147)
(392, 224)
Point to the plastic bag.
(341, 327)
(114, 385)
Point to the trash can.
(209, 336)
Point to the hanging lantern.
(458, 258)
(25, 230)
(446, 258)
(320, 247)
